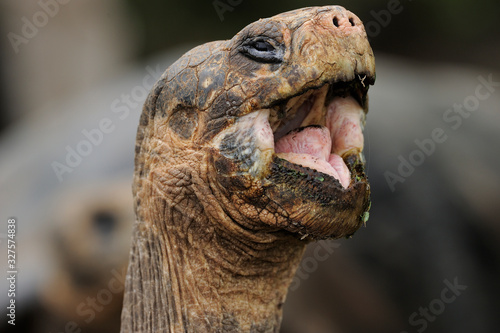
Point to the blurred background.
(73, 79)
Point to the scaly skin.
(221, 221)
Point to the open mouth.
(306, 151)
(321, 130)
(316, 134)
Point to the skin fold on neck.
(189, 273)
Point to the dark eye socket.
(263, 51)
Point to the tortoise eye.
(263, 46)
(263, 51)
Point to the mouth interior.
(321, 128)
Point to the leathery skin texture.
(222, 219)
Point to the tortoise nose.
(343, 21)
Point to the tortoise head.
(273, 120)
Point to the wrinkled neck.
(189, 273)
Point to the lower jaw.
(318, 206)
(319, 182)
(335, 166)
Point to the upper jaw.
(308, 108)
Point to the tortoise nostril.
(352, 21)
(336, 21)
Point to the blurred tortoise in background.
(247, 149)
(88, 237)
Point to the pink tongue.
(311, 147)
